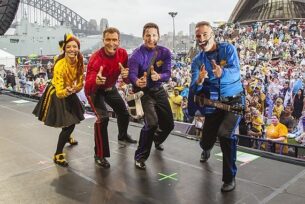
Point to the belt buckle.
(108, 89)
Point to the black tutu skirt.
(56, 112)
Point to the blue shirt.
(140, 59)
(229, 84)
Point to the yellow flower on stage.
(223, 63)
(159, 63)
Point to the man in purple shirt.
(150, 66)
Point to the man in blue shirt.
(150, 66)
(216, 68)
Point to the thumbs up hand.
(100, 80)
(202, 75)
(124, 71)
(217, 70)
(142, 82)
(154, 75)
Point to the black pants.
(64, 138)
(158, 121)
(97, 103)
(222, 124)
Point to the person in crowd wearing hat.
(103, 70)
(217, 69)
(59, 106)
(150, 66)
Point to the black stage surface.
(174, 176)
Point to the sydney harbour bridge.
(48, 11)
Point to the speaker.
(8, 10)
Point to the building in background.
(247, 11)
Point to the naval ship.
(32, 39)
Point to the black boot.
(128, 139)
(205, 155)
(159, 147)
(101, 162)
(227, 187)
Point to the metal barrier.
(297, 151)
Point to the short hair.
(111, 30)
(150, 25)
(203, 23)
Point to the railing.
(297, 151)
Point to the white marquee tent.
(7, 59)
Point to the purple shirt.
(140, 59)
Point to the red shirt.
(111, 69)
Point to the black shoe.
(128, 139)
(205, 155)
(101, 162)
(227, 187)
(159, 147)
(140, 165)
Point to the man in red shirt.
(103, 70)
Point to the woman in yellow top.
(59, 105)
(277, 132)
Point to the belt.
(230, 98)
(108, 89)
(154, 89)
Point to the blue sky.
(129, 16)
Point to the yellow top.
(65, 74)
(258, 122)
(278, 131)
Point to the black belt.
(153, 89)
(108, 89)
(230, 98)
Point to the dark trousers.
(97, 103)
(222, 124)
(158, 121)
(64, 138)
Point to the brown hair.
(111, 30)
(80, 63)
(150, 25)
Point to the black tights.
(64, 138)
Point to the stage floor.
(174, 176)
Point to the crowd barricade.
(294, 150)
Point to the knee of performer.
(171, 126)
(125, 114)
(153, 126)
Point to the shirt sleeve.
(91, 73)
(125, 64)
(232, 67)
(58, 81)
(166, 67)
(283, 131)
(195, 70)
(80, 82)
(134, 66)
